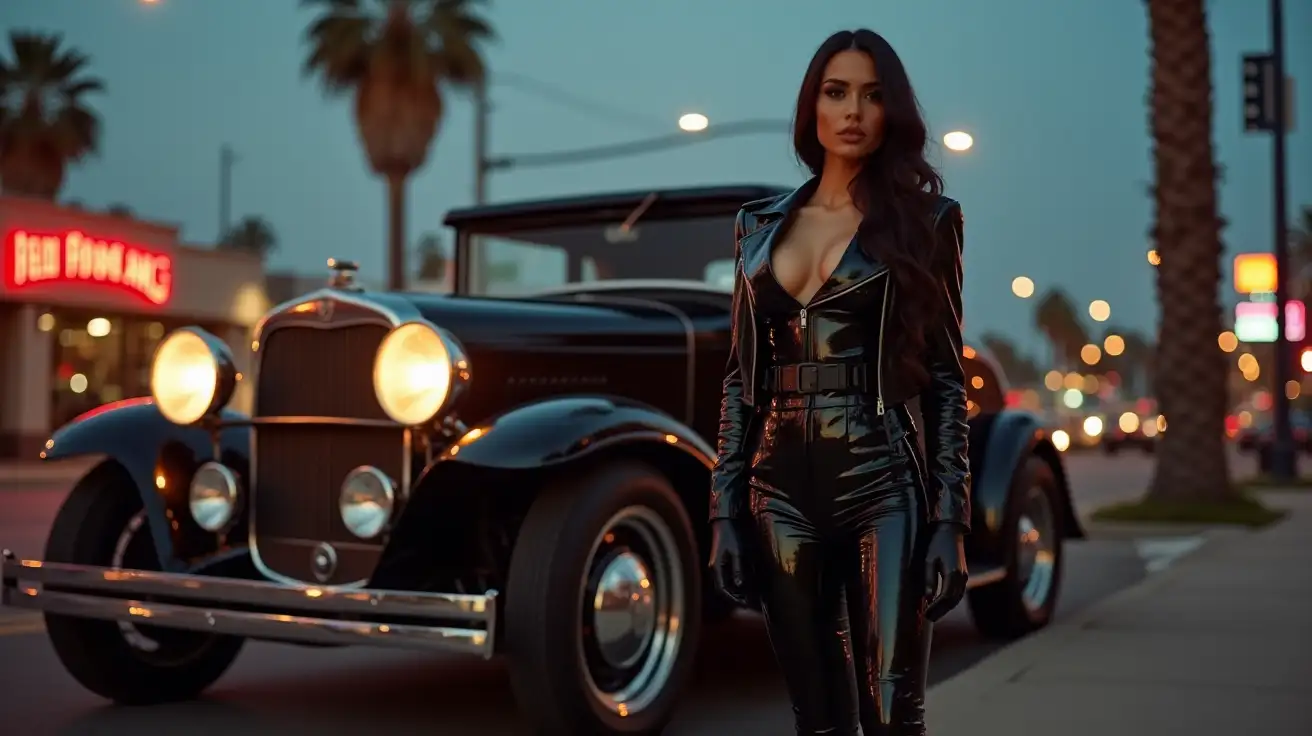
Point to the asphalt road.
(280, 689)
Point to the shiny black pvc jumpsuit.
(837, 504)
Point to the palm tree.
(394, 56)
(432, 258)
(45, 124)
(1191, 372)
(1056, 318)
(252, 235)
(1018, 368)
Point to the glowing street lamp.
(693, 122)
(959, 141)
(1023, 287)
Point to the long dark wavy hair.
(896, 191)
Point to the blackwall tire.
(1026, 598)
(102, 523)
(603, 604)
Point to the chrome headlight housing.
(367, 500)
(192, 375)
(418, 371)
(213, 496)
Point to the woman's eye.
(834, 92)
(876, 96)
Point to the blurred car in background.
(1261, 433)
(1133, 430)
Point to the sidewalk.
(1219, 643)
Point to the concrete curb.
(1011, 662)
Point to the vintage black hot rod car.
(520, 468)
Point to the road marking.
(22, 625)
(1158, 554)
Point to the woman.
(847, 304)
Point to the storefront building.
(85, 298)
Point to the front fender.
(556, 431)
(999, 443)
(490, 474)
(160, 458)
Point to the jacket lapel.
(757, 245)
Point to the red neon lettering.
(73, 257)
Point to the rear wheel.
(102, 523)
(1026, 598)
(603, 604)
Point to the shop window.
(88, 364)
(98, 359)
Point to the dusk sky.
(1053, 91)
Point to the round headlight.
(213, 497)
(416, 371)
(368, 496)
(192, 375)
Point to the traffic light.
(1259, 92)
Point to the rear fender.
(159, 457)
(998, 444)
(492, 472)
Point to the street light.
(693, 122)
(959, 141)
(1023, 287)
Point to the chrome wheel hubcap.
(632, 611)
(624, 610)
(1036, 554)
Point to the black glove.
(945, 570)
(727, 568)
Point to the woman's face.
(850, 109)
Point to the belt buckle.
(808, 378)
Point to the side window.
(515, 267)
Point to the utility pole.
(480, 141)
(1284, 460)
(226, 160)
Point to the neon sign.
(32, 259)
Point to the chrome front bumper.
(255, 609)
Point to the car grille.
(298, 468)
(299, 471)
(309, 372)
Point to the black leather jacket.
(942, 398)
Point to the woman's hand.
(727, 568)
(945, 570)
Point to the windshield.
(524, 262)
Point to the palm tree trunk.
(396, 232)
(1191, 376)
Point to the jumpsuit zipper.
(879, 364)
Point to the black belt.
(813, 378)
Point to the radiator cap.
(342, 274)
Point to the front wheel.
(102, 523)
(1026, 598)
(603, 604)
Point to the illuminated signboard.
(1256, 321)
(32, 259)
(1255, 272)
